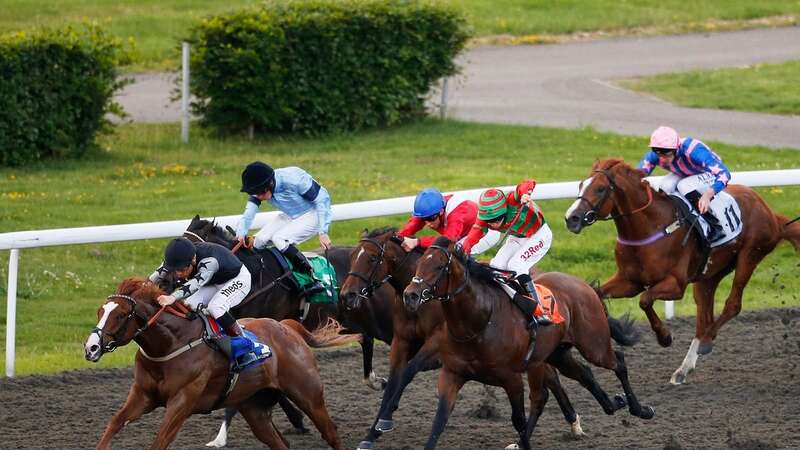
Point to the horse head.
(371, 265)
(201, 230)
(122, 317)
(608, 193)
(437, 274)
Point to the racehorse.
(487, 338)
(372, 320)
(378, 260)
(173, 370)
(659, 259)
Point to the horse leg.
(222, 436)
(294, 415)
(307, 394)
(179, 408)
(449, 385)
(666, 289)
(618, 287)
(259, 418)
(515, 390)
(704, 299)
(570, 367)
(553, 383)
(137, 404)
(538, 397)
(621, 371)
(370, 379)
(746, 263)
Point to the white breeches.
(284, 231)
(520, 254)
(219, 298)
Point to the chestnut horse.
(656, 262)
(372, 321)
(379, 260)
(188, 378)
(487, 336)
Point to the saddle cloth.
(547, 304)
(726, 210)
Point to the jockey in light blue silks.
(305, 211)
(695, 171)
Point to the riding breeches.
(284, 231)
(489, 240)
(675, 183)
(520, 254)
(219, 298)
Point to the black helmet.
(178, 254)
(257, 178)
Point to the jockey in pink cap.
(695, 171)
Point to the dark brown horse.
(657, 263)
(379, 260)
(173, 368)
(282, 301)
(487, 336)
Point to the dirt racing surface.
(745, 395)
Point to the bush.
(55, 90)
(319, 66)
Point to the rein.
(372, 285)
(591, 215)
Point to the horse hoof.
(704, 348)
(365, 445)
(512, 447)
(678, 378)
(297, 431)
(620, 401)
(647, 412)
(666, 340)
(217, 443)
(384, 426)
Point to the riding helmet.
(666, 138)
(257, 177)
(178, 254)
(428, 203)
(492, 205)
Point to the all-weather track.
(745, 395)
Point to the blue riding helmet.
(428, 202)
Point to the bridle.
(429, 289)
(373, 284)
(590, 216)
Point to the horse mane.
(380, 231)
(477, 270)
(611, 163)
(139, 288)
(198, 224)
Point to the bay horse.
(372, 320)
(172, 368)
(660, 261)
(380, 260)
(487, 336)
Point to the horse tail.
(624, 331)
(790, 230)
(326, 335)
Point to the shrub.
(319, 66)
(55, 90)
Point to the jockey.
(448, 215)
(695, 171)
(529, 236)
(305, 211)
(216, 280)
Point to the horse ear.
(196, 218)
(230, 230)
(364, 232)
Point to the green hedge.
(55, 90)
(320, 66)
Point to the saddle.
(547, 301)
(239, 356)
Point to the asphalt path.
(572, 85)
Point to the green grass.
(768, 88)
(144, 174)
(156, 26)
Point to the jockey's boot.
(527, 283)
(714, 227)
(244, 350)
(301, 264)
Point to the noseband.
(429, 289)
(112, 344)
(372, 284)
(590, 216)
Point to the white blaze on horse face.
(577, 202)
(360, 253)
(94, 338)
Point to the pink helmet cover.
(665, 137)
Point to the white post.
(669, 309)
(443, 105)
(185, 95)
(11, 311)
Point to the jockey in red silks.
(449, 215)
(695, 171)
(529, 236)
